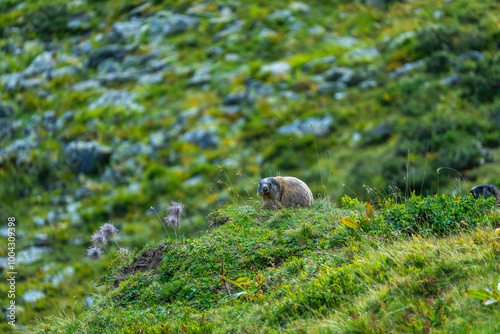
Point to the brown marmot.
(284, 192)
(485, 190)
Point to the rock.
(86, 157)
(31, 255)
(65, 119)
(328, 88)
(114, 52)
(367, 84)
(364, 55)
(19, 148)
(379, 134)
(158, 139)
(438, 14)
(193, 182)
(87, 85)
(276, 69)
(407, 68)
(119, 77)
(316, 126)
(6, 130)
(49, 120)
(284, 15)
(66, 71)
(344, 75)
(398, 41)
(41, 240)
(319, 61)
(30, 84)
(83, 48)
(151, 79)
(127, 150)
(89, 301)
(52, 217)
(343, 41)
(6, 111)
(232, 58)
(174, 24)
(129, 29)
(472, 55)
(200, 77)
(32, 296)
(267, 34)
(255, 89)
(39, 221)
(214, 51)
(134, 61)
(116, 98)
(203, 138)
(230, 110)
(233, 99)
(451, 80)
(64, 274)
(299, 7)
(41, 63)
(108, 66)
(230, 30)
(11, 81)
(81, 22)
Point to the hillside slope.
(111, 107)
(299, 271)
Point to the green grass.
(308, 272)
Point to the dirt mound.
(148, 260)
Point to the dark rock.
(83, 48)
(202, 138)
(328, 88)
(6, 130)
(81, 22)
(41, 240)
(86, 157)
(343, 74)
(151, 79)
(200, 77)
(214, 52)
(112, 176)
(6, 111)
(233, 99)
(114, 52)
(379, 134)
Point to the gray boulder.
(116, 98)
(114, 52)
(316, 126)
(203, 138)
(86, 157)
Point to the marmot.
(284, 192)
(485, 190)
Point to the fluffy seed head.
(98, 238)
(176, 209)
(108, 230)
(94, 253)
(171, 221)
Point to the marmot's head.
(268, 187)
(485, 190)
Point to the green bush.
(434, 215)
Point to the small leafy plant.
(363, 220)
(486, 296)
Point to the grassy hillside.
(403, 269)
(110, 107)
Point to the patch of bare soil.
(147, 261)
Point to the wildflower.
(94, 253)
(176, 209)
(171, 221)
(108, 230)
(98, 239)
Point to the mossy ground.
(304, 271)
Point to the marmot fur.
(284, 192)
(485, 190)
